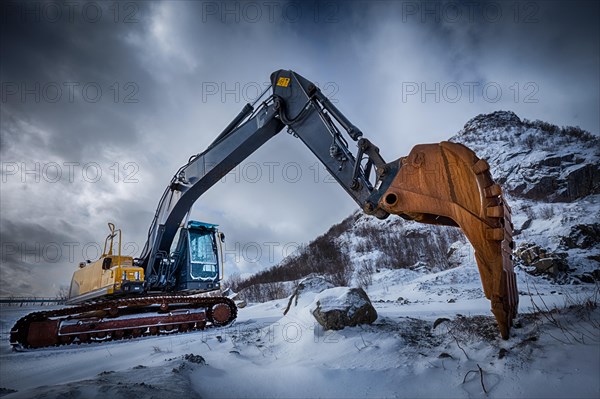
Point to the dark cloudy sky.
(102, 101)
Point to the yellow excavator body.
(95, 279)
(111, 275)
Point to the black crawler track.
(177, 314)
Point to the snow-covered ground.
(265, 354)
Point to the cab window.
(203, 255)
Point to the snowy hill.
(551, 177)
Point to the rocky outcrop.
(583, 236)
(341, 307)
(583, 181)
(557, 179)
(541, 261)
(542, 162)
(494, 121)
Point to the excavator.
(164, 289)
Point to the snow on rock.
(340, 307)
(333, 307)
(535, 160)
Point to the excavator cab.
(198, 257)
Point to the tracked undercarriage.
(121, 319)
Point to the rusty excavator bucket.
(447, 184)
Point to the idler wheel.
(220, 314)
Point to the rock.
(595, 258)
(582, 236)
(439, 321)
(402, 301)
(190, 357)
(583, 181)
(547, 265)
(241, 304)
(340, 307)
(556, 160)
(546, 183)
(529, 253)
(502, 353)
(590, 277)
(312, 283)
(542, 261)
(456, 254)
(586, 278)
(493, 121)
(524, 226)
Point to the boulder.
(340, 307)
(550, 266)
(529, 253)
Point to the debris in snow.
(311, 283)
(341, 307)
(502, 353)
(439, 321)
(190, 357)
(241, 304)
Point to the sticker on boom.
(283, 82)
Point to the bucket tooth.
(495, 211)
(493, 191)
(481, 166)
(494, 234)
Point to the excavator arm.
(441, 183)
